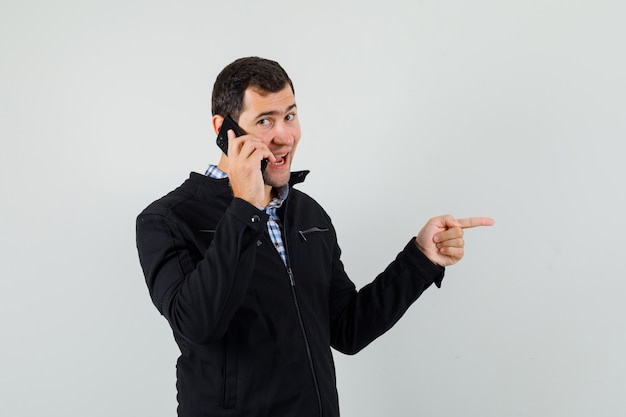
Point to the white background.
(409, 109)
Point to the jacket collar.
(297, 177)
(222, 184)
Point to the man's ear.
(217, 121)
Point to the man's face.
(273, 118)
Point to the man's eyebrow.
(275, 112)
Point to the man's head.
(262, 75)
(258, 94)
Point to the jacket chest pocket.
(311, 252)
(311, 231)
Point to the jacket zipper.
(306, 339)
(292, 281)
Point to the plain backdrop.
(409, 109)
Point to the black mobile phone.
(222, 137)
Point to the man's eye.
(290, 117)
(263, 122)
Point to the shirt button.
(255, 218)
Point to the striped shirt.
(273, 224)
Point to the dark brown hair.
(262, 74)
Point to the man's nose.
(282, 135)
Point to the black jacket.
(255, 336)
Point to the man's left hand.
(441, 239)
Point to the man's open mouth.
(280, 160)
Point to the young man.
(247, 270)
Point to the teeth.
(281, 159)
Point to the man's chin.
(276, 181)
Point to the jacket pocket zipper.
(310, 230)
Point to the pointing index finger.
(470, 222)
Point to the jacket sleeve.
(357, 318)
(199, 298)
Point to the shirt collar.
(214, 172)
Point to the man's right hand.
(244, 168)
